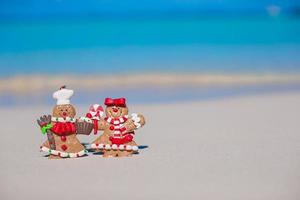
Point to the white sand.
(32, 84)
(236, 149)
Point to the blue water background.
(150, 45)
(62, 40)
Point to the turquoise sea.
(188, 44)
(149, 45)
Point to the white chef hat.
(63, 95)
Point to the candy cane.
(95, 113)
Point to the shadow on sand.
(94, 152)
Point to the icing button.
(64, 147)
(63, 138)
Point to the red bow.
(115, 102)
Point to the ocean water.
(149, 45)
(131, 45)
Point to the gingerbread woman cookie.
(118, 129)
(62, 127)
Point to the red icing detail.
(95, 126)
(95, 108)
(62, 128)
(88, 115)
(58, 154)
(97, 144)
(123, 140)
(115, 109)
(117, 119)
(112, 128)
(63, 138)
(115, 102)
(64, 147)
(122, 129)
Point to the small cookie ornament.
(62, 127)
(118, 129)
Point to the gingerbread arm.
(136, 121)
(102, 124)
(142, 119)
(44, 121)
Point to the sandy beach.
(31, 84)
(235, 148)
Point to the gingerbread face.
(116, 111)
(66, 110)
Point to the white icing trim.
(86, 119)
(114, 147)
(97, 118)
(136, 120)
(128, 147)
(135, 148)
(61, 119)
(63, 154)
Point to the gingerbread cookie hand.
(142, 119)
(44, 120)
(138, 120)
(129, 125)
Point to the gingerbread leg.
(125, 153)
(54, 157)
(109, 153)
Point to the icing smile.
(115, 112)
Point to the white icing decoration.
(63, 154)
(61, 119)
(115, 147)
(136, 120)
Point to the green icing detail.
(44, 129)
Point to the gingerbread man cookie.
(62, 127)
(118, 129)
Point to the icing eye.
(66, 110)
(61, 110)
